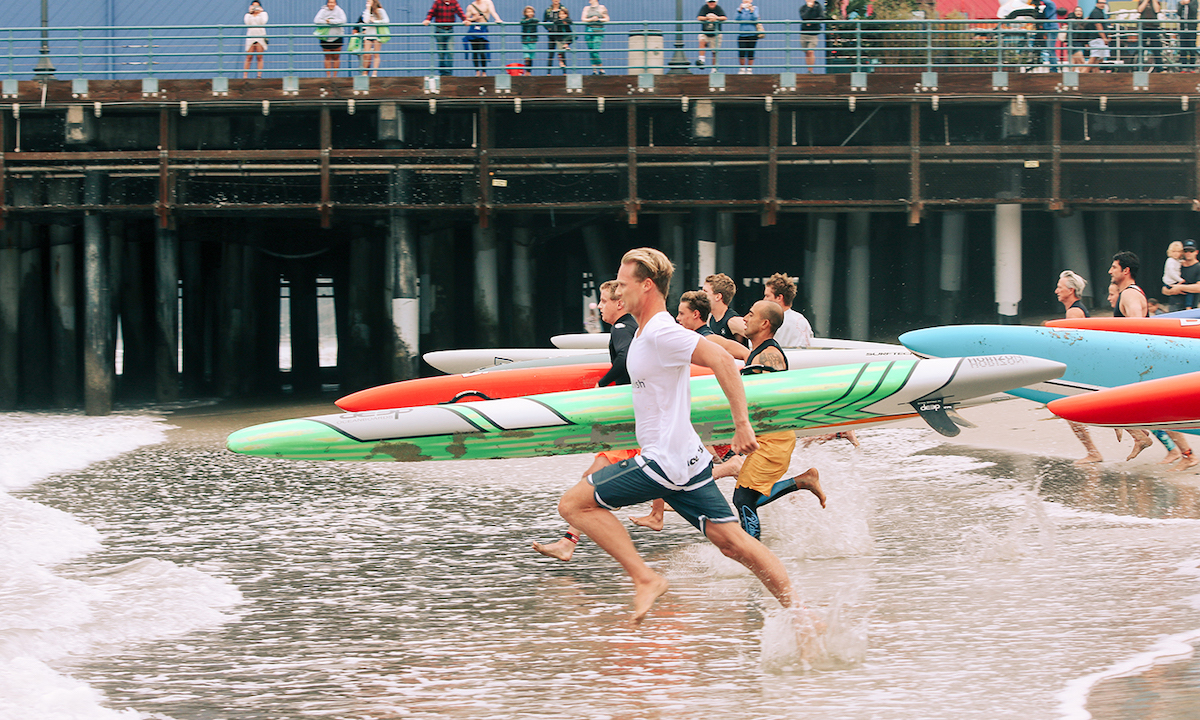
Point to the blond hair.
(1073, 281)
(1174, 246)
(722, 285)
(652, 264)
(610, 287)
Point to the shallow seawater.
(954, 583)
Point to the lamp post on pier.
(45, 68)
(679, 63)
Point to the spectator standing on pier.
(811, 13)
(747, 15)
(1150, 39)
(372, 37)
(710, 16)
(442, 14)
(1171, 276)
(565, 36)
(529, 35)
(330, 20)
(550, 20)
(1078, 35)
(476, 40)
(1047, 35)
(594, 15)
(1098, 44)
(256, 36)
(1187, 35)
(1062, 50)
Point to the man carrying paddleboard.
(674, 464)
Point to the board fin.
(937, 416)
(959, 420)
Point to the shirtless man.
(1131, 299)
(674, 463)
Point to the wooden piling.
(99, 369)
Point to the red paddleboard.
(1171, 403)
(493, 385)
(1168, 327)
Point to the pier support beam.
(10, 297)
(34, 344)
(1008, 262)
(1073, 243)
(670, 241)
(954, 237)
(306, 347)
(858, 275)
(1107, 245)
(64, 338)
(166, 317)
(522, 285)
(726, 245)
(487, 284)
(99, 363)
(403, 284)
(821, 299)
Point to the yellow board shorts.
(769, 463)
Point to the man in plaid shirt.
(442, 15)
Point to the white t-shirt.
(1171, 274)
(795, 330)
(659, 364)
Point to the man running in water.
(674, 464)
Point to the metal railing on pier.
(615, 48)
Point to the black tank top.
(758, 350)
(721, 327)
(1079, 304)
(1117, 310)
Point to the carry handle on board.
(941, 417)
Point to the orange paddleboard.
(1166, 327)
(493, 385)
(1171, 403)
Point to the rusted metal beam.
(483, 141)
(164, 169)
(326, 143)
(771, 209)
(1056, 202)
(914, 169)
(631, 202)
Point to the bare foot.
(810, 480)
(1091, 458)
(849, 436)
(652, 521)
(562, 549)
(1120, 437)
(1171, 457)
(809, 629)
(645, 595)
(1188, 461)
(729, 468)
(1139, 444)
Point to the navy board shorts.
(638, 480)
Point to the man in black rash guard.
(720, 290)
(624, 327)
(759, 481)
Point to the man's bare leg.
(578, 506)
(1085, 438)
(1141, 441)
(734, 543)
(564, 547)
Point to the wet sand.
(1010, 427)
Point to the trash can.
(645, 52)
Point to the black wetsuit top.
(721, 327)
(758, 351)
(705, 330)
(1117, 310)
(1079, 304)
(622, 334)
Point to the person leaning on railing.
(811, 13)
(329, 21)
(256, 36)
(594, 15)
(442, 14)
(1148, 33)
(748, 35)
